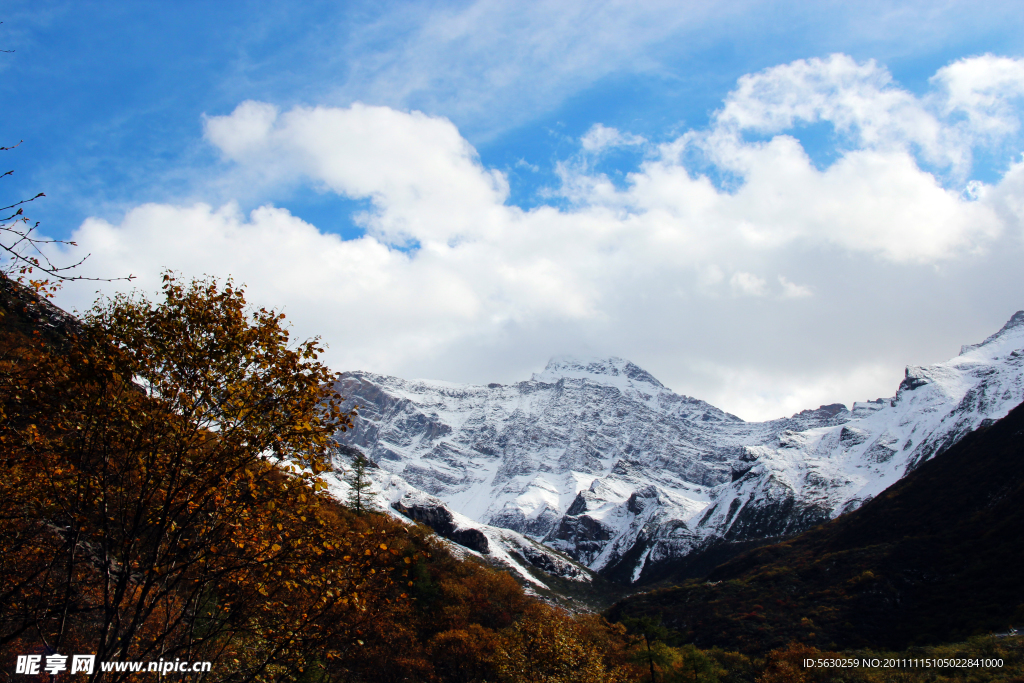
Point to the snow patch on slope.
(391, 494)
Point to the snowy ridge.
(391, 494)
(820, 473)
(598, 460)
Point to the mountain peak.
(611, 370)
(1014, 324)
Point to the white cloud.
(748, 284)
(246, 129)
(859, 99)
(600, 138)
(876, 196)
(987, 90)
(791, 290)
(643, 271)
(422, 175)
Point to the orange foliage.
(144, 517)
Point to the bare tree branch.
(23, 252)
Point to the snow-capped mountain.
(597, 459)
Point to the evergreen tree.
(696, 666)
(653, 634)
(359, 482)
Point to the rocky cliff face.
(598, 460)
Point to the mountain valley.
(594, 467)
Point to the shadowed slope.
(936, 557)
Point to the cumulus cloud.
(417, 169)
(247, 128)
(876, 196)
(986, 90)
(672, 269)
(858, 99)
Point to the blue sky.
(768, 205)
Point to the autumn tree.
(548, 646)
(164, 498)
(785, 665)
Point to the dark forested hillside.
(935, 558)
